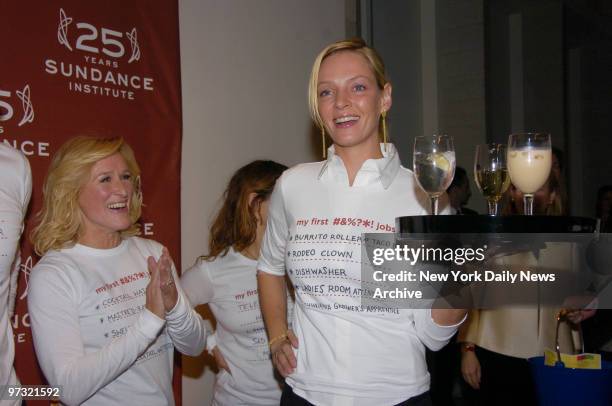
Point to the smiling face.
(104, 201)
(350, 102)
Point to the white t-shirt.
(92, 333)
(15, 189)
(348, 354)
(229, 285)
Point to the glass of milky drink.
(529, 163)
(434, 165)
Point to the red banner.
(107, 68)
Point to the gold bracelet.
(281, 337)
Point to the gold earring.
(323, 142)
(384, 126)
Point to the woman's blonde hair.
(60, 219)
(354, 45)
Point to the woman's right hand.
(283, 357)
(154, 298)
(470, 368)
(220, 359)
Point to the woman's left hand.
(166, 279)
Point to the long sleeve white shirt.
(348, 354)
(15, 189)
(92, 333)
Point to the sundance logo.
(94, 40)
(103, 50)
(17, 105)
(7, 100)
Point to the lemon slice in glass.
(439, 161)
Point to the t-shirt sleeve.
(272, 256)
(53, 309)
(433, 335)
(197, 283)
(15, 192)
(26, 184)
(13, 283)
(185, 326)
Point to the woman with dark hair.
(225, 278)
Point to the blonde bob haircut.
(357, 45)
(60, 219)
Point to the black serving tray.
(494, 224)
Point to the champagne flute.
(529, 163)
(491, 174)
(434, 165)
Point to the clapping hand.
(162, 294)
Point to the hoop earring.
(384, 128)
(323, 142)
(138, 191)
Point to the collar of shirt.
(381, 170)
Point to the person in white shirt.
(226, 279)
(15, 190)
(340, 352)
(105, 310)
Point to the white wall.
(244, 67)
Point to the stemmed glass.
(434, 165)
(529, 163)
(491, 174)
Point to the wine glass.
(491, 174)
(529, 163)
(434, 165)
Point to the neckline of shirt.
(100, 252)
(386, 167)
(243, 257)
